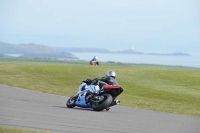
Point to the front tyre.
(71, 101)
(107, 100)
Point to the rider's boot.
(107, 109)
(112, 104)
(115, 103)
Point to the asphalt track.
(46, 112)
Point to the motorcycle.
(94, 63)
(95, 98)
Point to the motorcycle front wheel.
(71, 101)
(105, 103)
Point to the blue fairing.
(81, 100)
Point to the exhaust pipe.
(115, 103)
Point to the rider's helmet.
(111, 73)
(95, 57)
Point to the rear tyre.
(105, 103)
(71, 101)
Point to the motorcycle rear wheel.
(71, 101)
(103, 104)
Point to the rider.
(94, 61)
(108, 79)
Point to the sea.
(167, 60)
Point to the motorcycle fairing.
(114, 90)
(80, 102)
(107, 87)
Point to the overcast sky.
(145, 25)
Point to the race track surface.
(45, 112)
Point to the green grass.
(168, 89)
(16, 130)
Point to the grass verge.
(168, 89)
(16, 130)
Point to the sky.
(144, 25)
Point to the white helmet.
(111, 73)
(95, 57)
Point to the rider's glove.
(88, 81)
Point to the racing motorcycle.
(95, 95)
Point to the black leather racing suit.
(111, 81)
(107, 80)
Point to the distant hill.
(127, 51)
(42, 51)
(131, 51)
(170, 54)
(4, 47)
(33, 50)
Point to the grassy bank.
(16, 130)
(167, 89)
